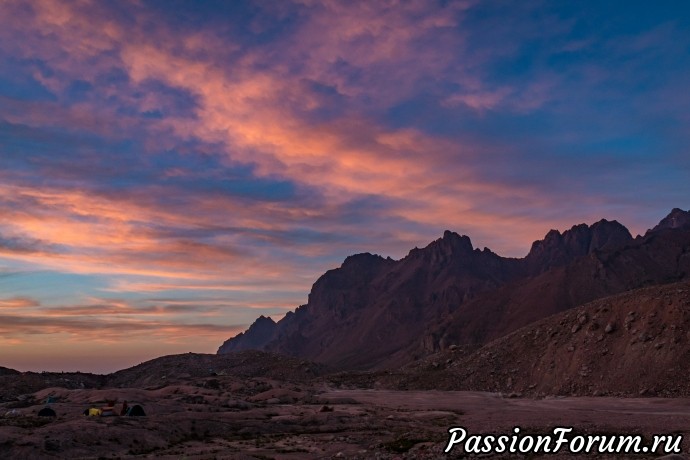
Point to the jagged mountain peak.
(602, 227)
(454, 242)
(451, 244)
(264, 319)
(677, 218)
(449, 235)
(258, 333)
(558, 248)
(362, 259)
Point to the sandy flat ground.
(492, 410)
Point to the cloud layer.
(166, 162)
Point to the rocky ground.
(260, 418)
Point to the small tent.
(136, 411)
(47, 412)
(93, 412)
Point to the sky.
(170, 170)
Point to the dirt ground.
(225, 418)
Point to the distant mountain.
(375, 313)
(258, 334)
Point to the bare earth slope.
(635, 343)
(183, 367)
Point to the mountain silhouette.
(374, 312)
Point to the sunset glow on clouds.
(170, 170)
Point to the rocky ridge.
(451, 293)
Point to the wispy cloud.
(105, 320)
(23, 245)
(18, 303)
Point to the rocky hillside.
(164, 371)
(376, 313)
(188, 366)
(7, 371)
(635, 343)
(14, 383)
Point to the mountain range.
(379, 313)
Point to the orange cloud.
(18, 303)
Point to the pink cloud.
(258, 117)
(255, 107)
(18, 303)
